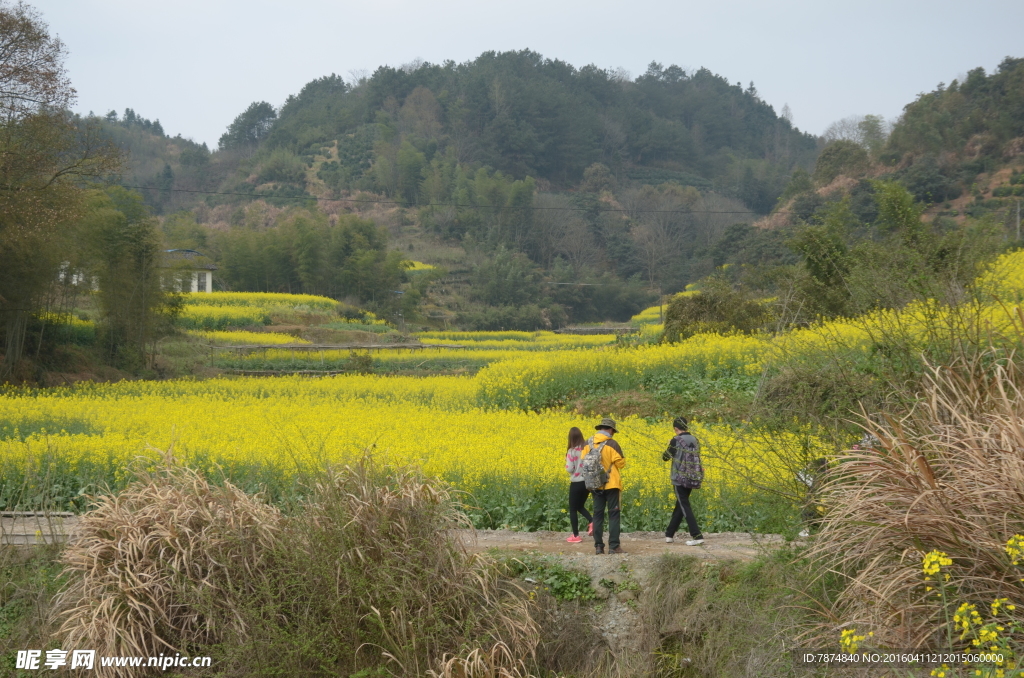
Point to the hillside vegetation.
(548, 195)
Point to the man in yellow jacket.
(612, 459)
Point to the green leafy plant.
(562, 582)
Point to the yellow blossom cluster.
(649, 316)
(219, 317)
(263, 300)
(218, 310)
(1015, 549)
(934, 561)
(1004, 279)
(653, 314)
(66, 319)
(517, 341)
(966, 616)
(850, 641)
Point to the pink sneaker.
(573, 539)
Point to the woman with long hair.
(578, 491)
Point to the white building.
(193, 271)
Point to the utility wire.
(438, 204)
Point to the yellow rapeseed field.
(270, 430)
(519, 341)
(494, 435)
(1004, 279)
(263, 300)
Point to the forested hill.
(987, 110)
(513, 112)
(546, 194)
(529, 116)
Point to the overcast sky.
(196, 64)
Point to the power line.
(439, 204)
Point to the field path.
(37, 528)
(637, 545)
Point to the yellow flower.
(1015, 549)
(934, 561)
(850, 641)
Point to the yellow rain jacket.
(611, 460)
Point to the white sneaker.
(668, 540)
(694, 542)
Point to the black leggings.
(578, 494)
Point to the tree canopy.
(45, 152)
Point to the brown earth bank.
(617, 614)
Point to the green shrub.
(719, 308)
(840, 157)
(283, 166)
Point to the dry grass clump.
(408, 596)
(948, 476)
(136, 551)
(363, 577)
(499, 662)
(722, 618)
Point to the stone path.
(28, 528)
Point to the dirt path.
(37, 528)
(637, 545)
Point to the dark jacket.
(684, 451)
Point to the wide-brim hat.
(607, 423)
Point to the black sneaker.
(617, 550)
(598, 550)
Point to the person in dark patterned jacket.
(687, 474)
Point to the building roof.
(189, 259)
